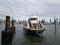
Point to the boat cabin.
(33, 22)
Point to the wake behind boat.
(33, 25)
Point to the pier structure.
(13, 27)
(7, 34)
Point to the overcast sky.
(22, 9)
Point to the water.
(48, 37)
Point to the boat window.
(35, 25)
(33, 18)
(40, 25)
(30, 24)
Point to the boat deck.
(37, 29)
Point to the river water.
(48, 37)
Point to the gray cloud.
(24, 8)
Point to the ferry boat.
(33, 25)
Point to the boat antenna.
(32, 14)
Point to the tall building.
(54, 19)
(57, 20)
(50, 21)
(43, 21)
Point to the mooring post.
(7, 26)
(13, 27)
(7, 34)
(55, 23)
(55, 26)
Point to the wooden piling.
(13, 27)
(7, 26)
(55, 24)
(7, 34)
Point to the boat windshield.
(33, 19)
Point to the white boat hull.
(32, 31)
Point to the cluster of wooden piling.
(7, 34)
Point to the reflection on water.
(49, 37)
(33, 39)
(7, 44)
